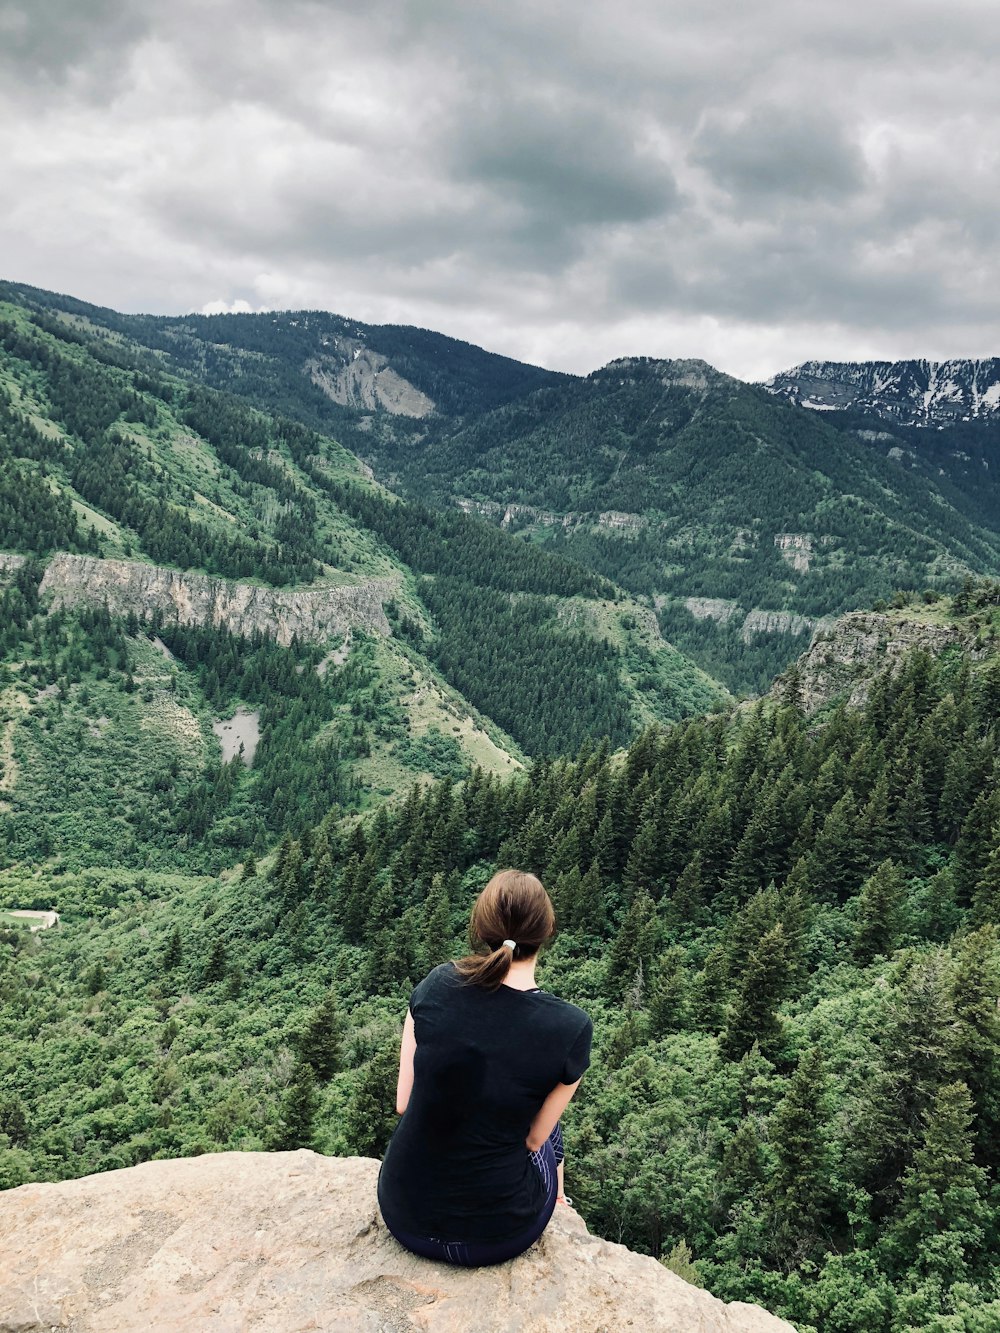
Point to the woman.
(488, 1064)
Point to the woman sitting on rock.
(488, 1064)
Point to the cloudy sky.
(755, 183)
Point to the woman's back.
(457, 1165)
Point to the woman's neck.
(522, 974)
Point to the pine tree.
(687, 905)
(566, 856)
(589, 916)
(298, 1111)
(798, 1187)
(215, 967)
(644, 868)
(836, 852)
(913, 820)
(710, 991)
(974, 1056)
(956, 792)
(986, 897)
(975, 842)
(758, 994)
(668, 999)
(604, 854)
(880, 904)
(438, 938)
(633, 948)
(943, 1217)
(370, 1117)
(319, 1042)
(249, 867)
(744, 1165)
(174, 951)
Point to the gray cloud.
(754, 184)
(776, 152)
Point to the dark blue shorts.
(480, 1253)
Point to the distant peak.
(911, 393)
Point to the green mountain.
(742, 520)
(174, 556)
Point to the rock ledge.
(233, 1242)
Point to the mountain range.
(908, 393)
(307, 626)
(742, 520)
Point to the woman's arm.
(548, 1114)
(407, 1050)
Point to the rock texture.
(796, 549)
(275, 1242)
(313, 614)
(712, 608)
(774, 622)
(846, 657)
(9, 565)
(912, 393)
(356, 376)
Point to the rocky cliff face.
(288, 1241)
(356, 376)
(912, 393)
(609, 520)
(9, 565)
(845, 658)
(313, 614)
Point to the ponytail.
(513, 917)
(488, 970)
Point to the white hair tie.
(509, 944)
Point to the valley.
(306, 626)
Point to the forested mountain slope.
(157, 536)
(358, 382)
(744, 522)
(784, 926)
(720, 502)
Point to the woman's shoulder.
(444, 975)
(568, 1015)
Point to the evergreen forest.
(784, 927)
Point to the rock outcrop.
(312, 614)
(846, 657)
(796, 549)
(294, 1241)
(911, 393)
(9, 565)
(774, 622)
(356, 376)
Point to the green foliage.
(850, 1189)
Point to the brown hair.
(513, 906)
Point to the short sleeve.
(431, 986)
(578, 1056)
(419, 992)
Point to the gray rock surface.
(845, 657)
(9, 565)
(913, 393)
(314, 614)
(238, 1242)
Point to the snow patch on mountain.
(909, 393)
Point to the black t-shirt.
(457, 1167)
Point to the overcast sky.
(754, 183)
